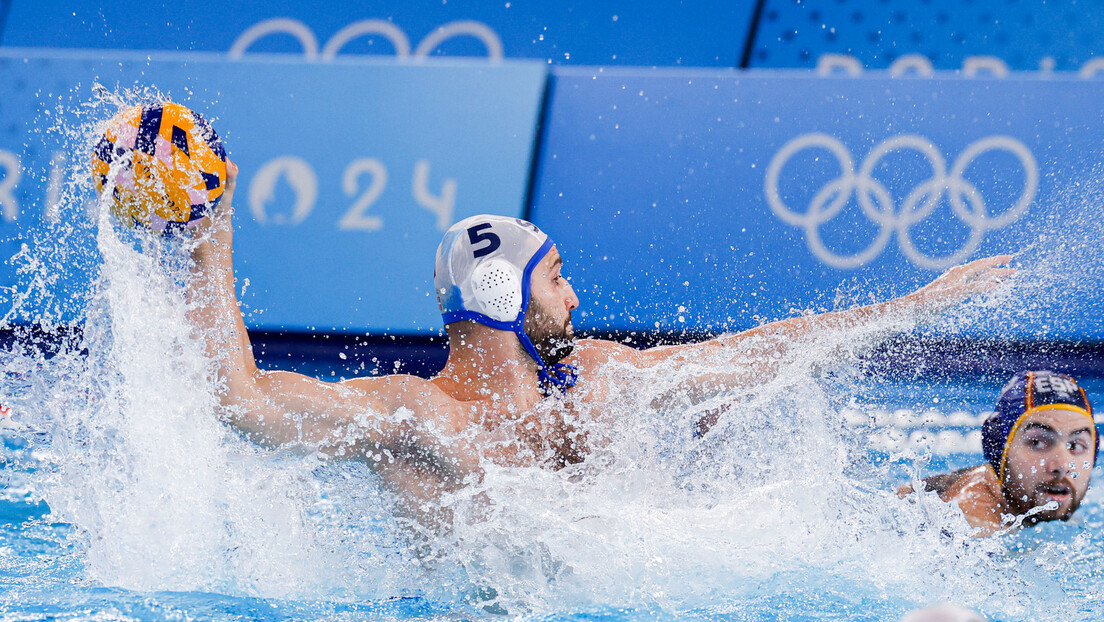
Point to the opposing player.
(1040, 447)
(517, 388)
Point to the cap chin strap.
(555, 379)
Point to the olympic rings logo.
(877, 204)
(309, 42)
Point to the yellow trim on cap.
(1032, 411)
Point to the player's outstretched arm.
(759, 352)
(951, 288)
(214, 309)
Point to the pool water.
(784, 511)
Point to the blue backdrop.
(606, 32)
(714, 200)
(1023, 35)
(350, 171)
(681, 199)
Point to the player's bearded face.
(552, 335)
(1049, 462)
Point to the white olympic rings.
(879, 207)
(309, 42)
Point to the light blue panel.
(657, 187)
(350, 171)
(1024, 34)
(607, 32)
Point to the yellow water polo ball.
(162, 165)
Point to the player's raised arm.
(276, 407)
(404, 426)
(256, 401)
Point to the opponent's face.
(551, 300)
(1049, 459)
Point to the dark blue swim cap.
(1029, 392)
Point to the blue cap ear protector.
(484, 266)
(1027, 393)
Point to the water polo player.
(517, 388)
(1040, 448)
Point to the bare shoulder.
(593, 353)
(977, 481)
(978, 494)
(950, 485)
(974, 489)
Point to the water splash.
(765, 501)
(128, 447)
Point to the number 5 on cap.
(475, 237)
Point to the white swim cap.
(484, 267)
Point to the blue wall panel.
(1023, 34)
(713, 200)
(350, 171)
(652, 32)
(5, 6)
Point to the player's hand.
(220, 217)
(978, 277)
(224, 211)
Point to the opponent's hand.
(961, 282)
